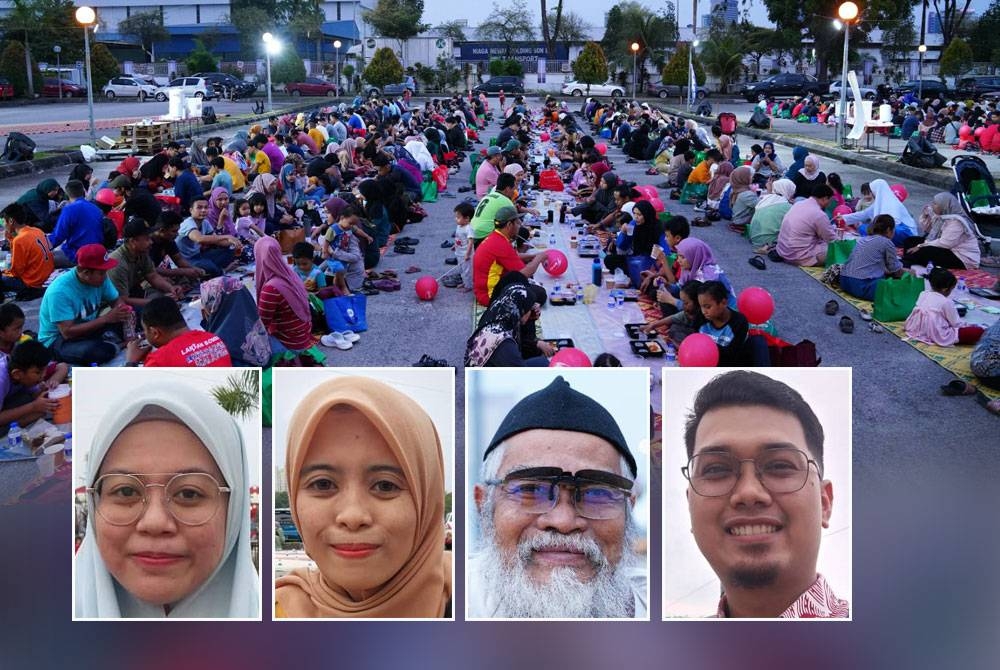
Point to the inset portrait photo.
(557, 471)
(363, 523)
(757, 515)
(167, 484)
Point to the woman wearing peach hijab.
(366, 489)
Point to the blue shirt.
(188, 247)
(187, 188)
(80, 223)
(69, 299)
(315, 274)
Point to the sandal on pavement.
(451, 261)
(958, 387)
(447, 244)
(831, 308)
(410, 241)
(403, 249)
(413, 268)
(758, 262)
(993, 406)
(865, 315)
(846, 325)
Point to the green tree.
(12, 67)
(104, 64)
(281, 500)
(453, 29)
(500, 67)
(347, 72)
(985, 34)
(676, 70)
(397, 19)
(897, 43)
(304, 19)
(448, 74)
(572, 28)
(512, 23)
(757, 42)
(287, 66)
(723, 57)
(201, 59)
(629, 22)
(956, 58)
(384, 68)
(591, 67)
(147, 27)
(951, 15)
(551, 25)
(239, 395)
(247, 20)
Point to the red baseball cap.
(94, 257)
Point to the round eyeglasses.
(715, 473)
(596, 494)
(190, 498)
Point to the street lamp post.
(336, 55)
(635, 74)
(922, 49)
(847, 12)
(271, 46)
(86, 17)
(58, 49)
(692, 81)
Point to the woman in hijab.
(885, 202)
(43, 202)
(767, 164)
(231, 313)
(698, 262)
(130, 167)
(742, 200)
(175, 544)
(496, 341)
(83, 173)
(291, 177)
(152, 172)
(376, 209)
(798, 162)
(267, 185)
(670, 164)
(365, 438)
(770, 210)
(808, 177)
(283, 305)
(218, 212)
(951, 240)
(718, 184)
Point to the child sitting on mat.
(935, 319)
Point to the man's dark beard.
(753, 576)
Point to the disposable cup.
(63, 413)
(47, 461)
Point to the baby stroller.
(19, 147)
(976, 190)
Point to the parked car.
(977, 87)
(283, 517)
(784, 85)
(129, 87)
(511, 86)
(928, 88)
(577, 88)
(223, 83)
(6, 89)
(394, 89)
(659, 89)
(192, 86)
(867, 92)
(50, 88)
(311, 86)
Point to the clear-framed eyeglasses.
(192, 498)
(596, 494)
(715, 473)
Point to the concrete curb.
(68, 158)
(943, 179)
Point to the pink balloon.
(756, 304)
(426, 287)
(965, 131)
(658, 205)
(841, 210)
(900, 192)
(698, 351)
(570, 357)
(544, 137)
(648, 191)
(979, 131)
(602, 148)
(555, 262)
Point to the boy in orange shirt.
(31, 260)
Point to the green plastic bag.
(266, 410)
(896, 298)
(696, 191)
(429, 190)
(839, 251)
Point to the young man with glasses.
(757, 497)
(555, 499)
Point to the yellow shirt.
(239, 179)
(262, 162)
(317, 137)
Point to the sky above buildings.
(593, 11)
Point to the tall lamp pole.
(922, 49)
(58, 49)
(847, 12)
(86, 17)
(692, 81)
(336, 55)
(635, 74)
(271, 46)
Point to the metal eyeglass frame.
(686, 471)
(95, 494)
(557, 477)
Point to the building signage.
(525, 52)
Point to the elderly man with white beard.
(555, 500)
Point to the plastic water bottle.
(595, 273)
(612, 303)
(960, 287)
(552, 240)
(620, 298)
(557, 289)
(15, 443)
(670, 356)
(579, 292)
(68, 448)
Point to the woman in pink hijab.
(283, 305)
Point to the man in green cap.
(496, 256)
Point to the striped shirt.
(873, 258)
(281, 322)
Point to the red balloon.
(570, 357)
(756, 304)
(555, 262)
(900, 192)
(965, 131)
(648, 191)
(698, 351)
(544, 137)
(427, 287)
(979, 131)
(658, 205)
(602, 148)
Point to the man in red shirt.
(496, 255)
(177, 346)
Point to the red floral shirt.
(818, 602)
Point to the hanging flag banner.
(541, 70)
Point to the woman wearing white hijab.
(886, 202)
(144, 557)
(770, 210)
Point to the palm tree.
(723, 57)
(239, 395)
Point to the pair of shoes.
(451, 261)
(409, 241)
(700, 223)
(413, 268)
(403, 249)
(464, 189)
(958, 387)
(387, 285)
(758, 262)
(846, 325)
(876, 328)
(993, 406)
(428, 362)
(336, 340)
(452, 281)
(865, 315)
(447, 244)
(832, 307)
(700, 208)
(651, 171)
(631, 160)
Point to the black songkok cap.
(559, 407)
